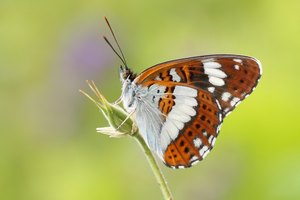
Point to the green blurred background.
(49, 149)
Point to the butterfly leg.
(128, 117)
(119, 100)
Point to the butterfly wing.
(191, 97)
(230, 78)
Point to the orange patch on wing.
(167, 102)
(182, 151)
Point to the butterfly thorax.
(131, 93)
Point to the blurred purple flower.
(81, 54)
(83, 51)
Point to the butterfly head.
(128, 88)
(126, 74)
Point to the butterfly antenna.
(113, 34)
(111, 46)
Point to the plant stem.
(154, 166)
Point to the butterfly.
(179, 105)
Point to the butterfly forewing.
(193, 95)
(230, 78)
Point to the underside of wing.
(191, 127)
(229, 78)
(191, 121)
(187, 100)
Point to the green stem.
(154, 166)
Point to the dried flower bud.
(120, 124)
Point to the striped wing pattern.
(198, 93)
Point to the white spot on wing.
(211, 65)
(216, 81)
(210, 139)
(213, 142)
(195, 162)
(203, 150)
(214, 72)
(190, 101)
(236, 67)
(170, 129)
(220, 116)
(218, 104)
(178, 124)
(197, 142)
(194, 158)
(234, 101)
(237, 60)
(227, 113)
(185, 91)
(175, 76)
(178, 115)
(211, 89)
(186, 109)
(226, 96)
(165, 139)
(218, 128)
(205, 154)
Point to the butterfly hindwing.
(196, 138)
(190, 125)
